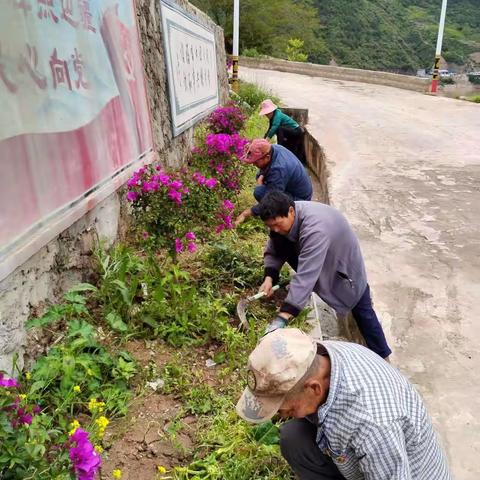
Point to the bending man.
(355, 416)
(319, 244)
(278, 169)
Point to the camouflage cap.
(276, 365)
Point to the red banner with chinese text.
(74, 116)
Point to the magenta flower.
(192, 247)
(163, 178)
(150, 186)
(178, 245)
(158, 168)
(176, 184)
(190, 236)
(145, 235)
(228, 205)
(133, 182)
(211, 183)
(8, 382)
(36, 409)
(220, 228)
(25, 419)
(175, 196)
(86, 461)
(199, 178)
(132, 196)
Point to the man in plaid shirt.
(355, 416)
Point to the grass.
(473, 98)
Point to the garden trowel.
(242, 306)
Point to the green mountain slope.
(398, 34)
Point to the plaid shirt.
(374, 424)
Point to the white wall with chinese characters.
(191, 61)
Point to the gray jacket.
(330, 261)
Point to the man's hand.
(260, 180)
(281, 321)
(266, 287)
(243, 216)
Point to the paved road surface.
(405, 169)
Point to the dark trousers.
(362, 312)
(299, 448)
(369, 326)
(293, 139)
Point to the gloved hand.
(279, 322)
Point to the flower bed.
(63, 418)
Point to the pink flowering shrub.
(219, 155)
(30, 443)
(175, 210)
(228, 119)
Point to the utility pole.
(438, 51)
(236, 25)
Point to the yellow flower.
(74, 425)
(95, 406)
(22, 396)
(77, 389)
(89, 372)
(28, 375)
(98, 448)
(102, 423)
(117, 473)
(161, 469)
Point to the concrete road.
(405, 169)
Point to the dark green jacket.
(278, 120)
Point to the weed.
(253, 95)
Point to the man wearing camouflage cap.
(355, 416)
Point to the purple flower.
(133, 182)
(190, 236)
(199, 178)
(8, 382)
(176, 184)
(228, 205)
(150, 186)
(158, 168)
(25, 419)
(175, 196)
(211, 183)
(145, 235)
(132, 196)
(36, 409)
(192, 247)
(178, 245)
(220, 228)
(86, 461)
(163, 178)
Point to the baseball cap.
(257, 149)
(276, 365)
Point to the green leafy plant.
(294, 50)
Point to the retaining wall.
(405, 82)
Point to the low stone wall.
(405, 82)
(316, 159)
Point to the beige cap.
(276, 365)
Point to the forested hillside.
(395, 35)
